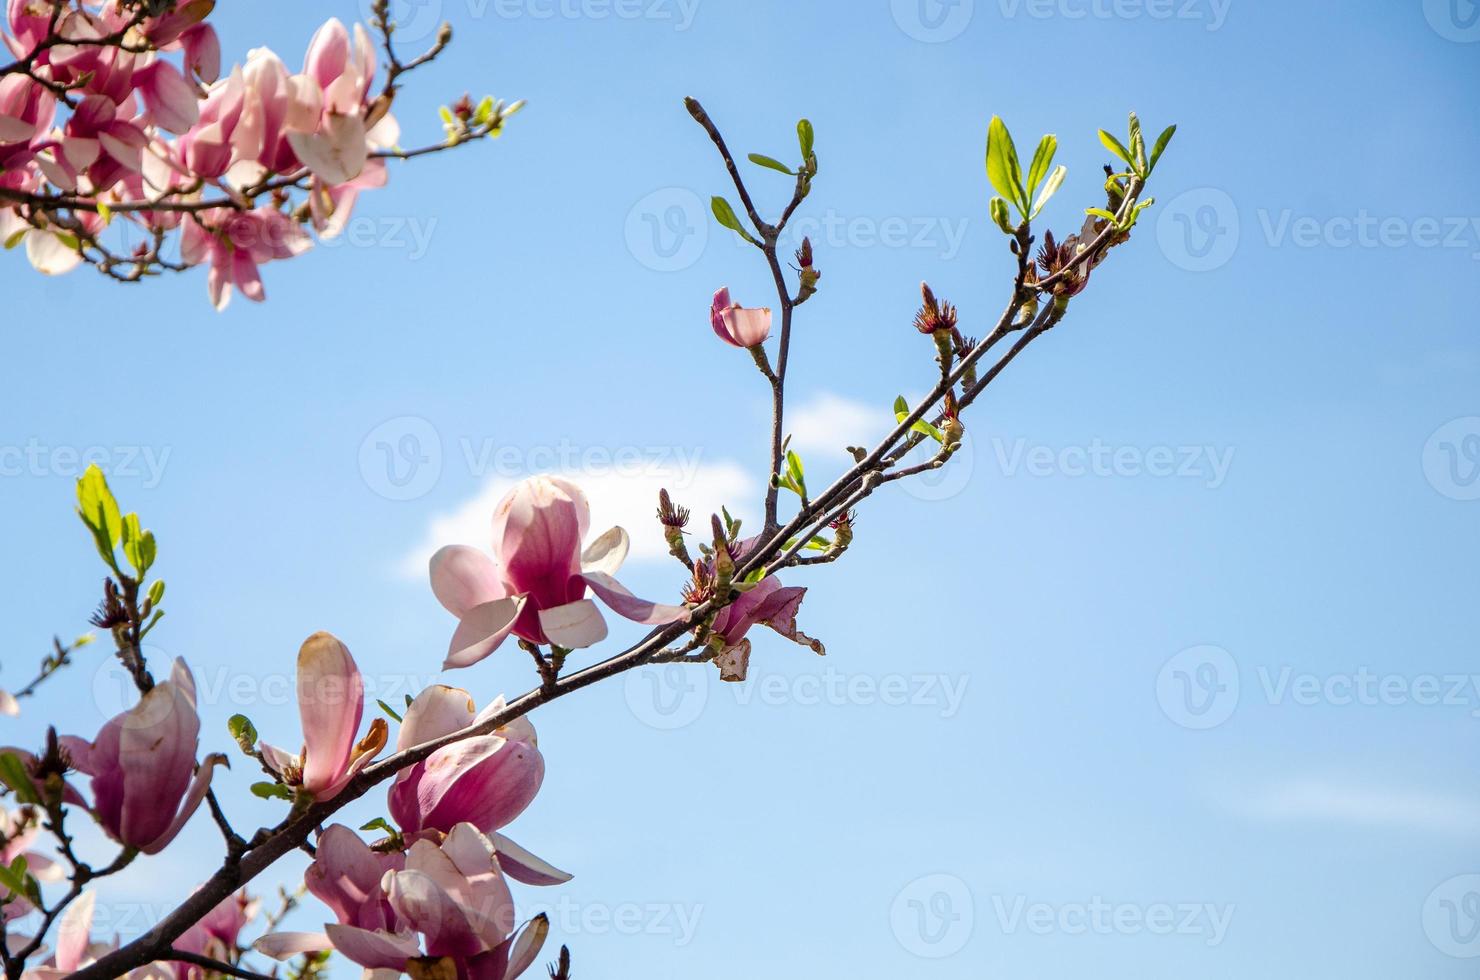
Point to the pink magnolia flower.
(439, 901)
(331, 703)
(145, 783)
(100, 140)
(736, 325)
(202, 50)
(486, 781)
(26, 110)
(74, 946)
(536, 589)
(216, 934)
(170, 100)
(236, 247)
(766, 603)
(337, 149)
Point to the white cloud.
(1333, 801)
(829, 423)
(629, 499)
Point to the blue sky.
(1169, 676)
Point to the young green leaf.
(387, 709)
(725, 215)
(902, 412)
(13, 774)
(1001, 216)
(1050, 188)
(380, 823)
(1100, 213)
(1042, 161)
(1138, 146)
(1003, 168)
(243, 732)
(1160, 147)
(795, 473)
(156, 592)
(761, 160)
(806, 137)
(269, 791)
(901, 408)
(96, 505)
(1116, 147)
(15, 238)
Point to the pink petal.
(74, 931)
(156, 752)
(428, 909)
(437, 711)
(627, 605)
(373, 950)
(464, 577)
(481, 631)
(606, 553)
(486, 781)
(345, 875)
(169, 98)
(526, 946)
(521, 865)
(286, 945)
(537, 532)
(337, 152)
(331, 703)
(189, 805)
(746, 326)
(575, 625)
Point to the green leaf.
(68, 239)
(138, 545)
(1042, 160)
(156, 592)
(806, 137)
(725, 215)
(1001, 216)
(795, 472)
(902, 412)
(448, 119)
(1100, 213)
(243, 732)
(818, 543)
(1003, 168)
(761, 160)
(380, 823)
(1055, 179)
(484, 112)
(15, 238)
(387, 709)
(13, 774)
(269, 791)
(15, 879)
(1116, 147)
(1160, 147)
(106, 213)
(98, 508)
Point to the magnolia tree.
(255, 159)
